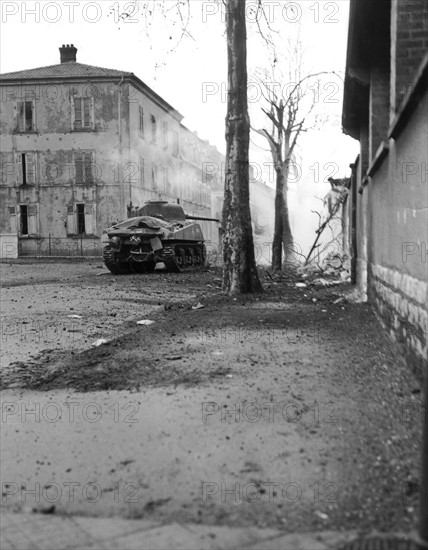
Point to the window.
(154, 129)
(176, 144)
(23, 219)
(81, 219)
(26, 167)
(165, 134)
(154, 177)
(25, 117)
(164, 178)
(141, 126)
(142, 172)
(80, 211)
(28, 220)
(83, 167)
(83, 110)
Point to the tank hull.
(137, 245)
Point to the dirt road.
(280, 410)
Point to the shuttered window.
(165, 134)
(83, 167)
(154, 128)
(154, 177)
(25, 112)
(81, 219)
(82, 113)
(28, 220)
(26, 168)
(141, 121)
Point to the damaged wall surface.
(82, 146)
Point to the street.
(289, 409)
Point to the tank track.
(184, 257)
(115, 267)
(177, 258)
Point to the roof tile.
(64, 70)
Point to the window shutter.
(92, 113)
(12, 219)
(73, 114)
(34, 113)
(18, 162)
(15, 117)
(21, 115)
(30, 167)
(78, 167)
(154, 177)
(70, 220)
(90, 219)
(86, 112)
(89, 177)
(77, 112)
(33, 225)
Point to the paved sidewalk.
(44, 532)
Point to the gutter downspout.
(119, 109)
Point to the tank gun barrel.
(202, 219)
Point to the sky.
(190, 71)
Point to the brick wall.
(410, 43)
(379, 108)
(400, 300)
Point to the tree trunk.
(287, 236)
(283, 244)
(239, 272)
(278, 227)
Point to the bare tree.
(334, 199)
(289, 116)
(239, 272)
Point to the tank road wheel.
(199, 260)
(180, 257)
(190, 258)
(170, 260)
(112, 264)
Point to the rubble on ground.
(334, 269)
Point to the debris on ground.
(100, 342)
(198, 306)
(320, 281)
(145, 322)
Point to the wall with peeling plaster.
(122, 161)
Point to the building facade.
(82, 146)
(386, 109)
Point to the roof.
(74, 70)
(64, 70)
(368, 44)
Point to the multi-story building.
(81, 146)
(386, 109)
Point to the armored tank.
(158, 232)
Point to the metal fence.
(51, 247)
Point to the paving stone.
(213, 537)
(161, 538)
(106, 528)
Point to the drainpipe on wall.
(119, 114)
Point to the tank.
(158, 232)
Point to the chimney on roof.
(68, 53)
